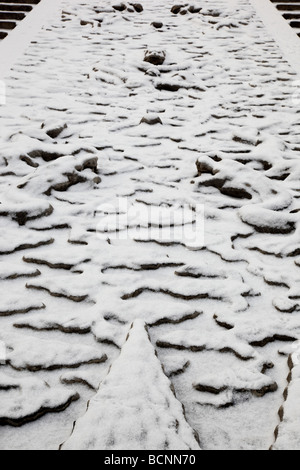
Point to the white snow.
(46, 354)
(208, 137)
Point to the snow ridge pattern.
(164, 106)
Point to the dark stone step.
(288, 7)
(8, 15)
(285, 1)
(291, 16)
(19, 8)
(24, 2)
(7, 24)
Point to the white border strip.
(14, 45)
(278, 27)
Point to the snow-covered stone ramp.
(166, 107)
(139, 397)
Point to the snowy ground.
(190, 342)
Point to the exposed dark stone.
(8, 387)
(179, 371)
(264, 390)
(46, 156)
(223, 324)
(271, 339)
(166, 320)
(151, 120)
(237, 193)
(8, 313)
(193, 9)
(157, 24)
(119, 7)
(166, 345)
(209, 389)
(91, 163)
(281, 177)
(78, 380)
(29, 162)
(167, 87)
(54, 327)
(155, 57)
(55, 132)
(72, 179)
(47, 263)
(214, 182)
(152, 72)
(13, 276)
(176, 9)
(86, 23)
(138, 7)
(40, 367)
(23, 217)
(284, 230)
(17, 422)
(256, 392)
(28, 246)
(245, 141)
(73, 298)
(204, 167)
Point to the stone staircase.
(11, 12)
(290, 9)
